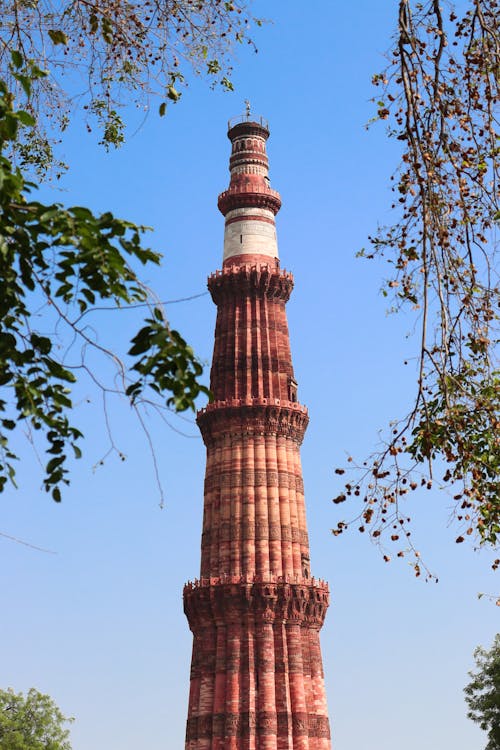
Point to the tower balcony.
(257, 416)
(280, 599)
(249, 196)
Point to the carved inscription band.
(238, 477)
(259, 532)
(250, 724)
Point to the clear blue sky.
(99, 624)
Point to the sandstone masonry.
(255, 612)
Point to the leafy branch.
(440, 96)
(70, 260)
(116, 54)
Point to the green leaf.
(57, 36)
(82, 213)
(17, 58)
(25, 118)
(54, 464)
(42, 343)
(25, 82)
(58, 371)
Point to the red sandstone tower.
(255, 612)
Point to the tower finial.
(247, 105)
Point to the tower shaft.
(255, 612)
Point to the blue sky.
(99, 624)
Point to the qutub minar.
(255, 612)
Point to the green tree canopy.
(482, 694)
(32, 722)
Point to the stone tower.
(256, 611)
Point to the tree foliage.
(482, 694)
(101, 55)
(31, 722)
(56, 265)
(440, 96)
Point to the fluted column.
(256, 610)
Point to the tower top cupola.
(249, 204)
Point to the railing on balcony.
(250, 188)
(248, 118)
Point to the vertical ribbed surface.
(252, 356)
(255, 612)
